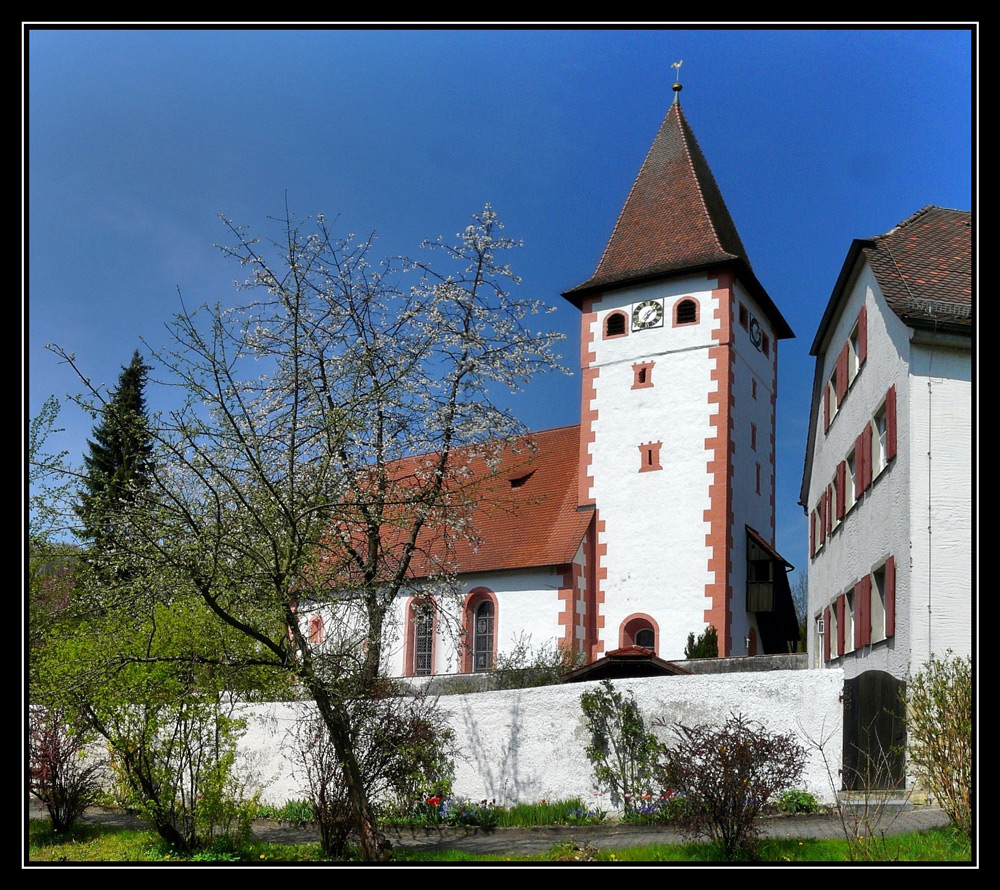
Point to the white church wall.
(528, 608)
(656, 556)
(526, 745)
(752, 405)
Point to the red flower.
(434, 801)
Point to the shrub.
(939, 734)
(524, 667)
(622, 749)
(726, 776)
(793, 802)
(60, 774)
(705, 646)
(409, 752)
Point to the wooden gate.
(874, 732)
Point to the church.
(654, 517)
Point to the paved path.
(523, 841)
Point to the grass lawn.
(93, 843)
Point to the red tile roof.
(522, 511)
(924, 266)
(674, 218)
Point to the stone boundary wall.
(526, 745)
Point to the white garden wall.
(528, 744)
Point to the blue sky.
(136, 141)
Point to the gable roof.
(674, 221)
(525, 512)
(923, 267)
(518, 504)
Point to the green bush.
(793, 802)
(726, 775)
(622, 749)
(939, 734)
(705, 646)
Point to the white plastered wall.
(654, 526)
(940, 588)
(877, 526)
(748, 506)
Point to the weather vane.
(677, 80)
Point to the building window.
(744, 318)
(878, 605)
(753, 388)
(849, 619)
(650, 457)
(616, 325)
(643, 372)
(851, 482)
(758, 478)
(418, 646)
(686, 312)
(638, 630)
(879, 442)
(482, 640)
(423, 643)
(765, 344)
(852, 356)
(753, 436)
(479, 630)
(835, 513)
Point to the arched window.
(418, 647)
(480, 630)
(615, 324)
(686, 312)
(639, 630)
(482, 640)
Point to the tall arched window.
(418, 646)
(482, 640)
(480, 630)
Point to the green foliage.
(523, 667)
(939, 734)
(794, 801)
(705, 646)
(622, 749)
(407, 751)
(727, 775)
(118, 465)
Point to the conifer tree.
(118, 465)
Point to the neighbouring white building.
(654, 517)
(887, 484)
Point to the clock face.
(648, 314)
(755, 332)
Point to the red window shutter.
(862, 335)
(826, 407)
(826, 634)
(890, 596)
(829, 509)
(866, 442)
(859, 468)
(841, 611)
(842, 360)
(841, 487)
(890, 423)
(862, 612)
(812, 533)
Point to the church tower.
(679, 350)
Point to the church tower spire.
(679, 346)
